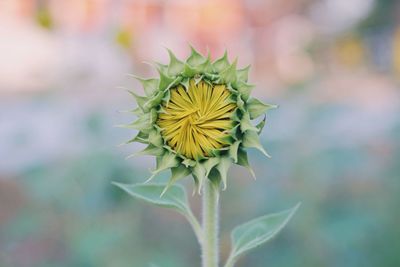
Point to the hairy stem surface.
(210, 248)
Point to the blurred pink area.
(287, 42)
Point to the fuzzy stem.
(210, 248)
(196, 226)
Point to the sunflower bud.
(196, 118)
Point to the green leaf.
(258, 231)
(256, 108)
(175, 198)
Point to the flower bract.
(197, 118)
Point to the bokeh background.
(333, 66)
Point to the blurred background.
(333, 66)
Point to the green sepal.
(228, 75)
(245, 124)
(209, 164)
(243, 74)
(189, 162)
(188, 71)
(215, 178)
(137, 111)
(195, 59)
(218, 152)
(159, 66)
(166, 97)
(185, 83)
(226, 140)
(252, 140)
(199, 174)
(243, 160)
(240, 103)
(153, 116)
(235, 132)
(141, 137)
(150, 150)
(140, 100)
(154, 101)
(177, 173)
(155, 138)
(256, 108)
(175, 66)
(165, 80)
(233, 151)
(244, 89)
(142, 123)
(261, 124)
(210, 77)
(223, 167)
(221, 63)
(206, 66)
(150, 86)
(166, 161)
(197, 78)
(196, 184)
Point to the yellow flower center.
(196, 121)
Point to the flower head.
(196, 118)
(197, 121)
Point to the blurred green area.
(334, 139)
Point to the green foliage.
(175, 198)
(256, 232)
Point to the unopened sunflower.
(196, 118)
